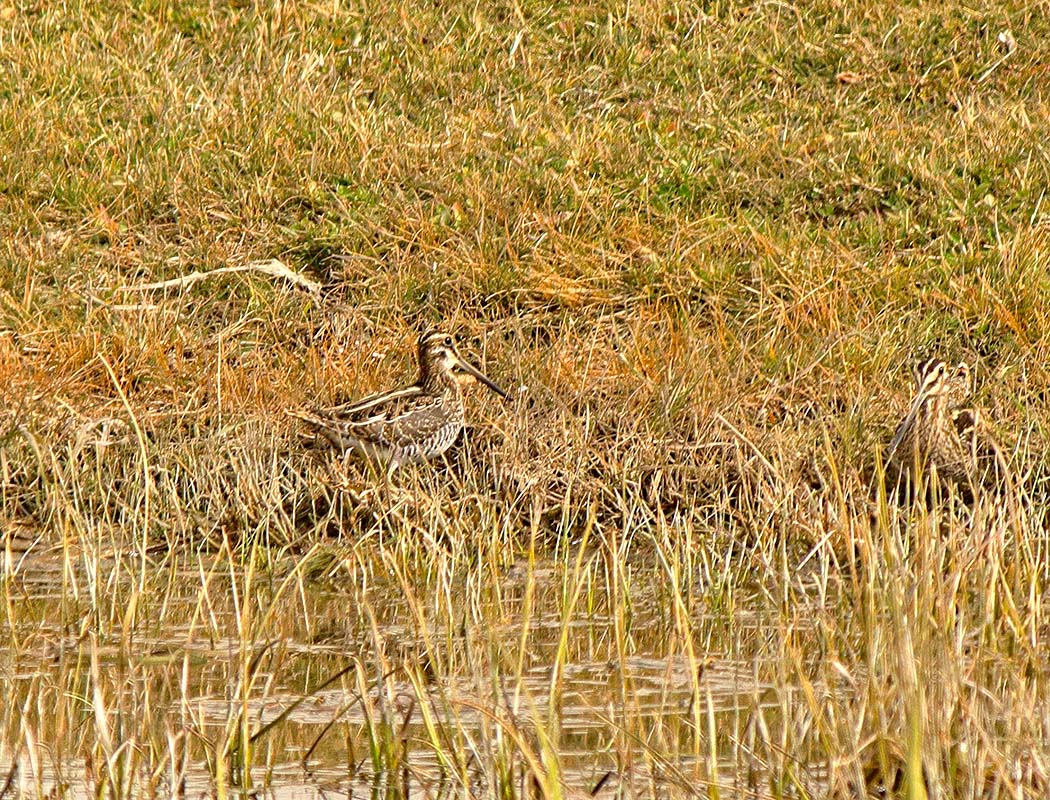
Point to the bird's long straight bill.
(905, 426)
(477, 373)
(920, 399)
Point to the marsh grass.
(702, 244)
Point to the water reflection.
(186, 660)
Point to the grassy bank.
(701, 244)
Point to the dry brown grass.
(702, 244)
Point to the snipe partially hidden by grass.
(926, 442)
(944, 440)
(415, 423)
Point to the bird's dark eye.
(448, 341)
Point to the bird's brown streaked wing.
(375, 407)
(420, 424)
(990, 462)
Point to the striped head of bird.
(935, 381)
(957, 381)
(441, 363)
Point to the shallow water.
(159, 667)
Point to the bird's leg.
(340, 472)
(395, 495)
(372, 489)
(340, 476)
